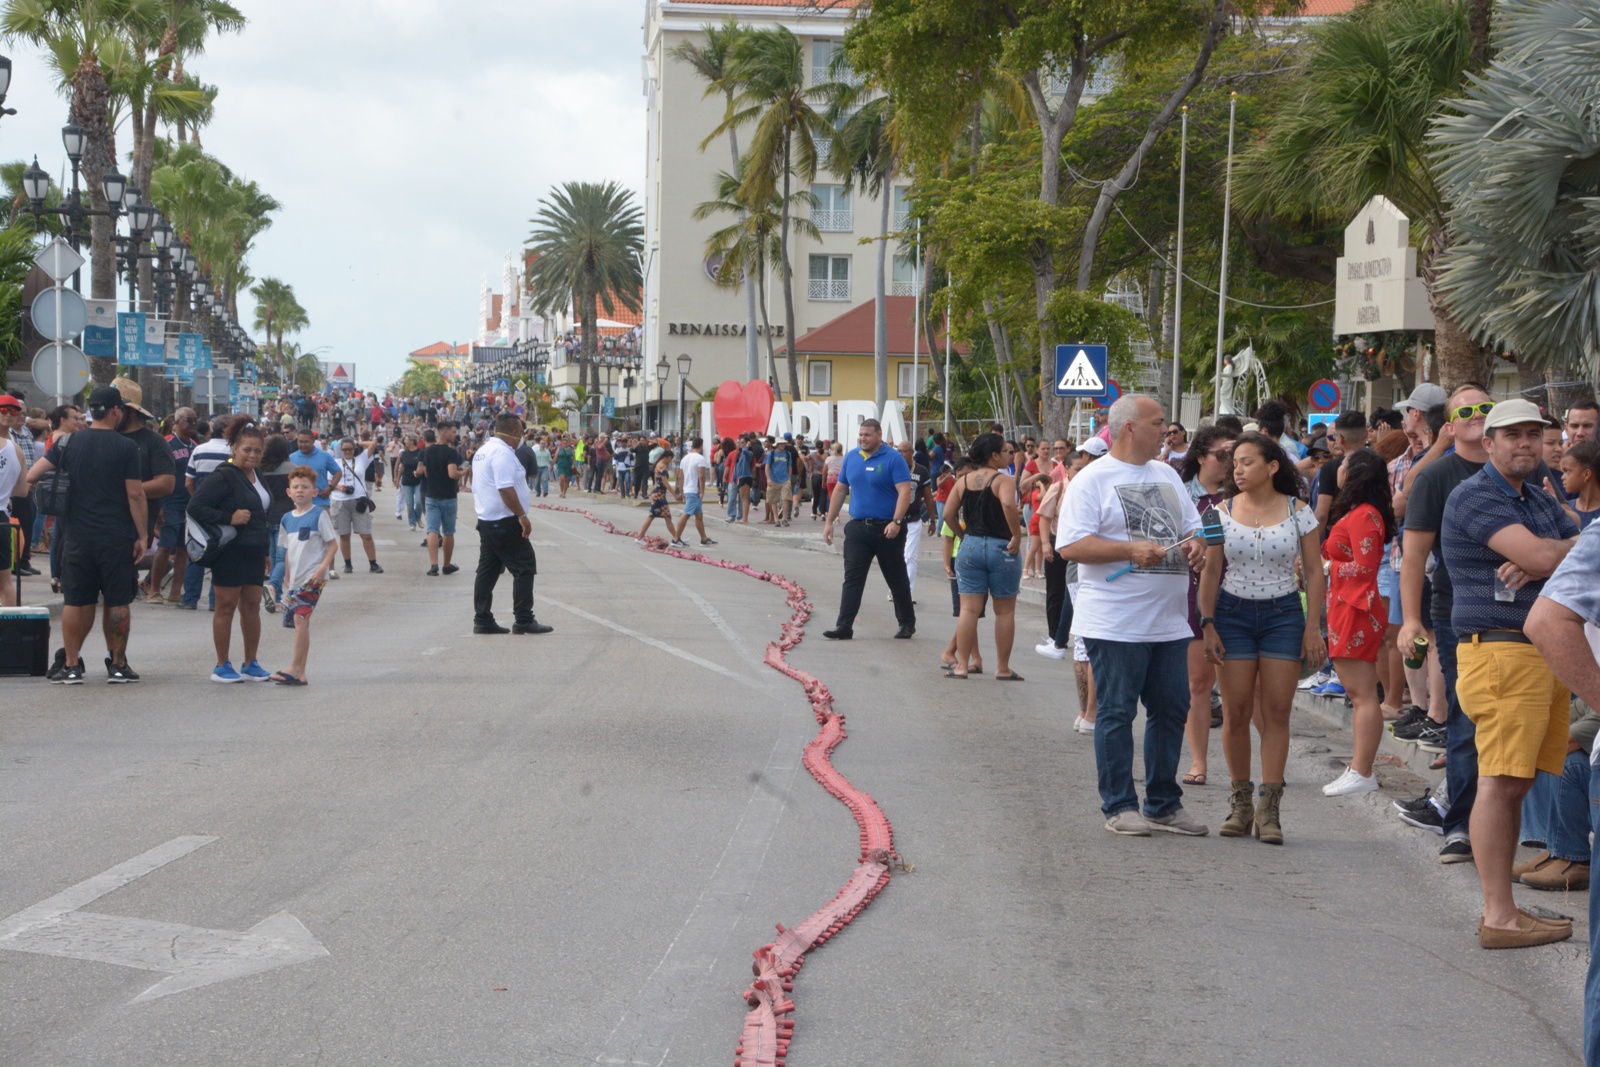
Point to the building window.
(903, 281)
(902, 208)
(830, 278)
(832, 213)
(904, 386)
(819, 378)
(824, 55)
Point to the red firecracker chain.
(769, 1026)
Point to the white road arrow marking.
(191, 956)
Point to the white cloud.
(409, 142)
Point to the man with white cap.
(1502, 536)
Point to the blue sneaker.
(226, 674)
(255, 672)
(1332, 689)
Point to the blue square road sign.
(1081, 370)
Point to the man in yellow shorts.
(1502, 535)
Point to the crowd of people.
(1421, 564)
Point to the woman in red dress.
(1359, 523)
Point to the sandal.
(1012, 677)
(1195, 778)
(285, 678)
(954, 675)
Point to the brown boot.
(1240, 815)
(1267, 828)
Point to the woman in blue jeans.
(982, 510)
(1254, 626)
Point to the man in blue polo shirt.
(1502, 536)
(878, 483)
(323, 463)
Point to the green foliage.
(17, 250)
(423, 379)
(1517, 158)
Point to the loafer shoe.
(838, 635)
(1177, 822)
(1528, 933)
(533, 626)
(1129, 824)
(1520, 869)
(1559, 874)
(1082, 725)
(489, 628)
(905, 632)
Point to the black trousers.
(641, 478)
(22, 511)
(501, 547)
(865, 541)
(1055, 587)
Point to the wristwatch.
(1207, 620)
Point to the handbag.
(50, 493)
(206, 541)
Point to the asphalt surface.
(563, 849)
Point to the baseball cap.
(1512, 412)
(9, 402)
(1094, 446)
(132, 395)
(1321, 445)
(1425, 396)
(106, 397)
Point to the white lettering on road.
(191, 956)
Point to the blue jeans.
(1555, 813)
(735, 512)
(411, 496)
(279, 556)
(1460, 740)
(1126, 673)
(1591, 987)
(541, 482)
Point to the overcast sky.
(409, 142)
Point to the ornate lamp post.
(662, 370)
(684, 363)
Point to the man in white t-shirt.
(1121, 521)
(692, 471)
(500, 498)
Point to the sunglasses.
(1472, 410)
(1222, 454)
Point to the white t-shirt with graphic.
(1120, 501)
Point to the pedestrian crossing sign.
(1081, 370)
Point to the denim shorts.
(691, 504)
(984, 566)
(442, 516)
(1261, 629)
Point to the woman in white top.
(1254, 625)
(11, 473)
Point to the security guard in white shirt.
(500, 498)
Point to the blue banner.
(130, 338)
(205, 356)
(100, 341)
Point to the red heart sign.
(741, 409)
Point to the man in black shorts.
(107, 525)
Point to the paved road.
(563, 849)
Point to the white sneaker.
(1349, 784)
(1049, 650)
(1082, 725)
(1320, 678)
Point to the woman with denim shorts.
(982, 510)
(1254, 624)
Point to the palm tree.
(423, 379)
(867, 151)
(1356, 127)
(711, 61)
(307, 372)
(587, 239)
(750, 245)
(76, 35)
(769, 68)
(272, 296)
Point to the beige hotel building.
(684, 309)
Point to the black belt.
(877, 522)
(1500, 635)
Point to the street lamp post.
(684, 362)
(5, 85)
(662, 370)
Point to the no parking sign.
(1325, 395)
(1113, 392)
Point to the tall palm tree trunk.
(752, 355)
(788, 278)
(880, 304)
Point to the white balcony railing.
(821, 74)
(830, 289)
(902, 287)
(834, 221)
(824, 149)
(1099, 84)
(902, 220)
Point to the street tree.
(1516, 159)
(587, 240)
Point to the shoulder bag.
(50, 494)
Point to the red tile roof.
(441, 349)
(1326, 8)
(851, 334)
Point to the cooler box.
(24, 641)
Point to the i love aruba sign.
(745, 407)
